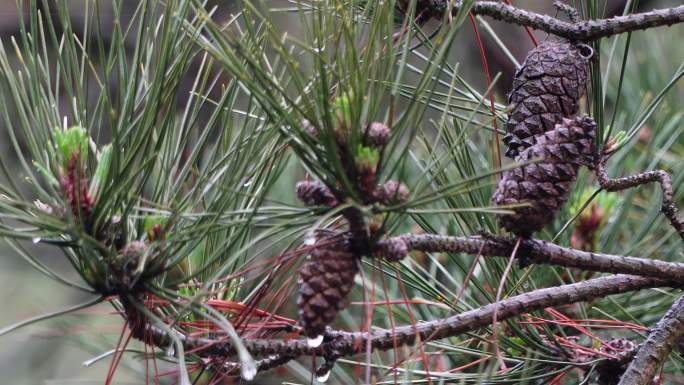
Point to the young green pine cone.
(546, 88)
(544, 185)
(325, 280)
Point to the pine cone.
(314, 193)
(544, 185)
(546, 88)
(378, 134)
(391, 193)
(325, 280)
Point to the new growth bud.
(314, 193)
(377, 134)
(391, 193)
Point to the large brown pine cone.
(325, 280)
(546, 88)
(544, 185)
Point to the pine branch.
(670, 328)
(537, 251)
(341, 343)
(668, 207)
(584, 30)
(657, 347)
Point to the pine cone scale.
(325, 279)
(542, 188)
(546, 88)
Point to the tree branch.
(341, 343)
(668, 207)
(670, 328)
(537, 251)
(584, 30)
(657, 347)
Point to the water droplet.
(248, 370)
(170, 351)
(310, 240)
(43, 206)
(323, 378)
(314, 342)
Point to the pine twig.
(657, 347)
(542, 252)
(341, 343)
(587, 30)
(668, 207)
(670, 328)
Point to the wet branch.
(668, 207)
(657, 347)
(341, 343)
(670, 328)
(542, 252)
(582, 30)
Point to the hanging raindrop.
(324, 377)
(314, 342)
(248, 370)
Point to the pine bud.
(391, 193)
(378, 134)
(546, 88)
(72, 145)
(75, 188)
(366, 160)
(72, 150)
(154, 226)
(315, 193)
(134, 250)
(125, 264)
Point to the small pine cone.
(544, 185)
(393, 249)
(610, 370)
(325, 280)
(391, 193)
(546, 88)
(314, 193)
(378, 134)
